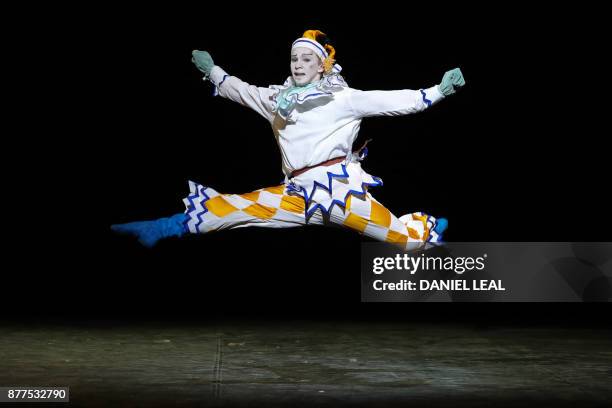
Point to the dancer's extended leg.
(369, 217)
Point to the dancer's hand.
(451, 81)
(203, 61)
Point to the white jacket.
(321, 128)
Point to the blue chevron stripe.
(204, 209)
(200, 191)
(330, 176)
(427, 101)
(342, 203)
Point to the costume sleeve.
(257, 98)
(392, 103)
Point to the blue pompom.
(441, 226)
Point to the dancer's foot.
(149, 232)
(441, 226)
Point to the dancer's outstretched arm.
(405, 101)
(257, 98)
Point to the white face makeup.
(306, 67)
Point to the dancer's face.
(306, 67)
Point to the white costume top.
(324, 122)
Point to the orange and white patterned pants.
(272, 207)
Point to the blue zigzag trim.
(204, 209)
(433, 227)
(191, 203)
(427, 101)
(308, 197)
(191, 208)
(429, 236)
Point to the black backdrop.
(515, 156)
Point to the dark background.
(517, 155)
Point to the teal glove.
(203, 61)
(451, 80)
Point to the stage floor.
(307, 363)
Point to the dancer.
(315, 117)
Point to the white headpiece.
(317, 48)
